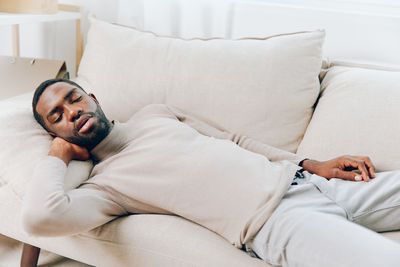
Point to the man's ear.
(94, 98)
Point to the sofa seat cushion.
(140, 240)
(358, 113)
(260, 87)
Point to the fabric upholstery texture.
(260, 87)
(264, 88)
(358, 113)
(140, 240)
(11, 250)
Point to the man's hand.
(342, 167)
(67, 151)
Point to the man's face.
(69, 113)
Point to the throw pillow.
(358, 114)
(264, 88)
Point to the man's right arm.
(49, 210)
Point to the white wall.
(183, 18)
(368, 33)
(366, 30)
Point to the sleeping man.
(286, 209)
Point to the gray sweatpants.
(325, 223)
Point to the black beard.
(98, 134)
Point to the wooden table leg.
(30, 256)
(15, 39)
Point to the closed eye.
(59, 118)
(77, 99)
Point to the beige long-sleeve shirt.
(163, 161)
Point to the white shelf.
(10, 19)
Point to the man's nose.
(73, 112)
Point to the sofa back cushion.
(260, 87)
(358, 113)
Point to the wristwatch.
(301, 162)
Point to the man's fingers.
(348, 175)
(363, 169)
(343, 168)
(359, 164)
(369, 164)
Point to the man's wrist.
(309, 165)
(59, 153)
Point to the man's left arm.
(213, 130)
(340, 167)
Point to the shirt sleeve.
(272, 153)
(50, 210)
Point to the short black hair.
(39, 91)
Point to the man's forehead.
(52, 94)
(59, 86)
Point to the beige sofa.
(266, 88)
